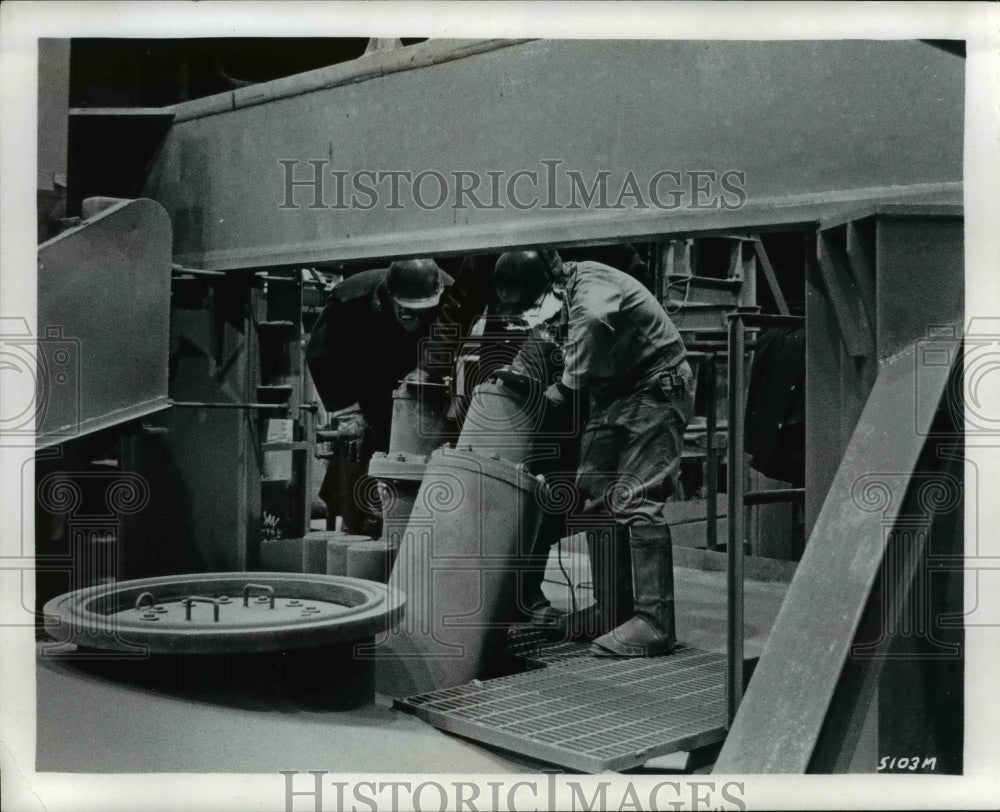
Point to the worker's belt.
(665, 362)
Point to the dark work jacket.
(358, 352)
(775, 410)
(461, 304)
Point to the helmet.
(523, 273)
(414, 283)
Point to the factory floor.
(89, 723)
(699, 599)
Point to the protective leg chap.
(650, 631)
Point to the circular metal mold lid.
(229, 612)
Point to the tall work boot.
(610, 568)
(532, 600)
(650, 631)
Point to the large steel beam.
(802, 142)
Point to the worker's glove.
(352, 429)
(514, 377)
(355, 450)
(352, 426)
(557, 394)
(417, 376)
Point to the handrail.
(736, 489)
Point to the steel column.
(734, 547)
(711, 455)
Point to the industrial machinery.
(419, 413)
(837, 222)
(476, 516)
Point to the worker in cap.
(365, 341)
(622, 352)
(415, 288)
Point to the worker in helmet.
(365, 341)
(623, 351)
(523, 287)
(514, 324)
(501, 314)
(517, 332)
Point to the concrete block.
(281, 555)
(371, 560)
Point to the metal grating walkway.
(539, 647)
(587, 713)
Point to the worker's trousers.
(631, 446)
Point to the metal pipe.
(766, 319)
(269, 278)
(711, 456)
(503, 418)
(702, 348)
(192, 404)
(180, 269)
(734, 548)
(458, 579)
(770, 497)
(697, 348)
